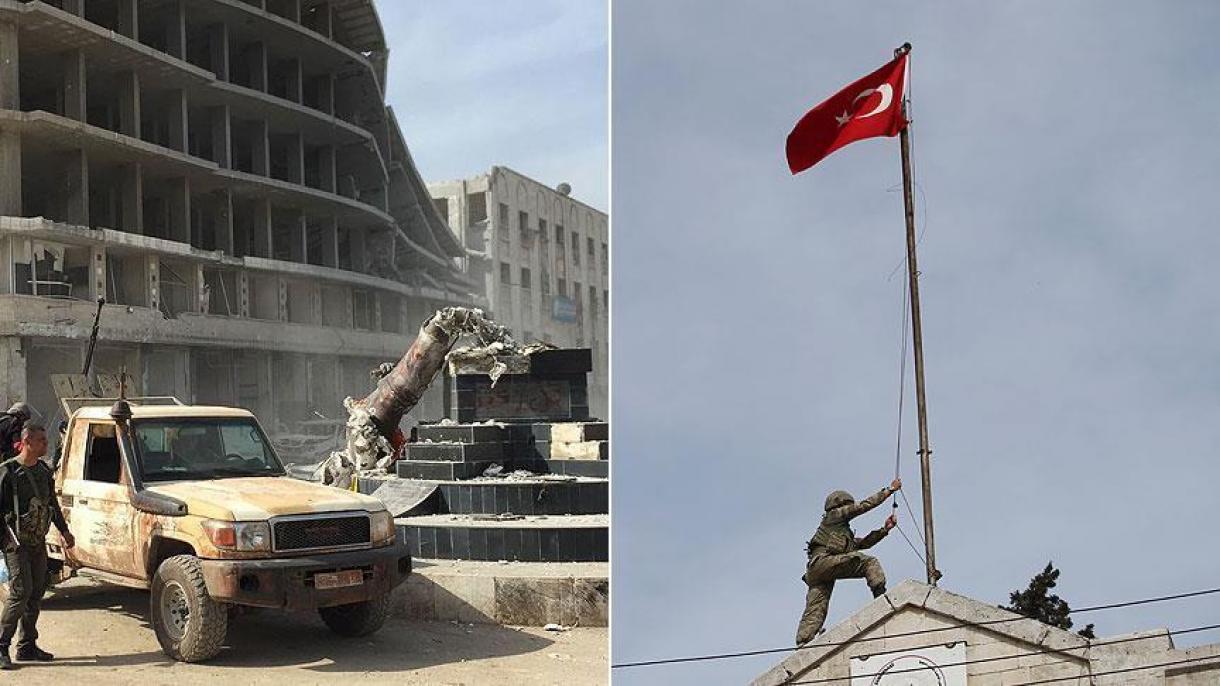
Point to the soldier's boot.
(5, 662)
(32, 653)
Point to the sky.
(1067, 168)
(520, 84)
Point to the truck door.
(96, 502)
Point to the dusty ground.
(100, 635)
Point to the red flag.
(868, 108)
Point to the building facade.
(227, 175)
(920, 634)
(542, 258)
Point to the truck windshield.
(202, 448)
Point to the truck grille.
(322, 532)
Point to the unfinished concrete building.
(542, 259)
(227, 175)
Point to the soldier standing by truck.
(11, 424)
(29, 506)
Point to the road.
(100, 635)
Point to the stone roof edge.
(916, 594)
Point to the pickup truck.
(192, 503)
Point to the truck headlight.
(240, 536)
(381, 526)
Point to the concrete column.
(131, 203)
(74, 85)
(315, 303)
(261, 148)
(223, 227)
(296, 80)
(326, 168)
(10, 171)
(12, 369)
(296, 158)
(330, 241)
(325, 20)
(153, 266)
(129, 104)
(175, 29)
(293, 8)
(222, 136)
(129, 18)
(283, 299)
(326, 92)
(10, 93)
(358, 247)
(73, 197)
(218, 44)
(243, 294)
(298, 239)
(261, 246)
(180, 210)
(199, 296)
(255, 56)
(98, 282)
(178, 120)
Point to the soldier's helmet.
(20, 408)
(838, 499)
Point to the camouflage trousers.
(27, 568)
(820, 576)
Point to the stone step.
(464, 433)
(594, 469)
(569, 538)
(523, 497)
(584, 450)
(515, 594)
(577, 432)
(455, 452)
(597, 469)
(440, 470)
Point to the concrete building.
(227, 175)
(542, 258)
(917, 634)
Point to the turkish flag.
(870, 107)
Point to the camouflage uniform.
(28, 507)
(834, 554)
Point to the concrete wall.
(486, 211)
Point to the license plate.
(351, 577)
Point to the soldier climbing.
(834, 553)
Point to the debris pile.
(373, 438)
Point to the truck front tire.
(189, 624)
(357, 619)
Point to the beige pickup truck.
(192, 503)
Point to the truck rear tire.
(357, 619)
(189, 624)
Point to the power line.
(1013, 656)
(918, 632)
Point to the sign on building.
(932, 666)
(563, 309)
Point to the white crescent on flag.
(887, 96)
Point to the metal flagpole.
(925, 452)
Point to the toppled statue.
(834, 553)
(373, 437)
